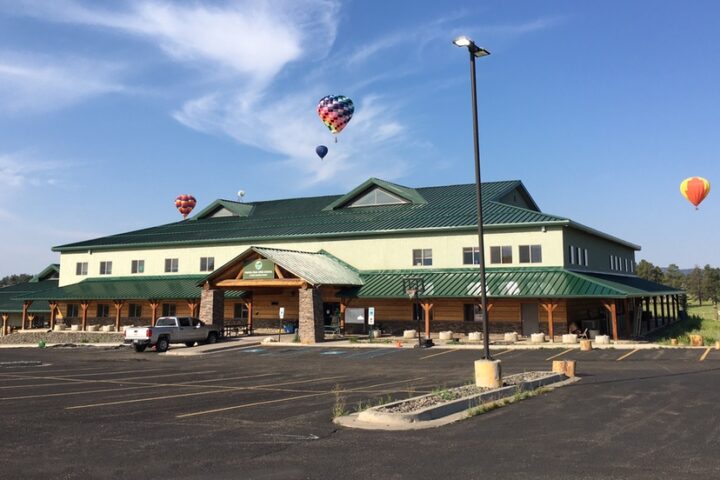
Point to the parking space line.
(218, 389)
(287, 399)
(560, 354)
(628, 354)
(704, 355)
(130, 380)
(504, 352)
(441, 353)
(369, 351)
(387, 351)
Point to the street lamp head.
(463, 41)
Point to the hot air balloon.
(695, 189)
(335, 111)
(321, 151)
(185, 204)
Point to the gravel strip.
(61, 337)
(450, 394)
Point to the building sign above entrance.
(259, 270)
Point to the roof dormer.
(375, 192)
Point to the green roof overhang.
(176, 287)
(528, 282)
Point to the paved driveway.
(264, 412)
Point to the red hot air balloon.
(695, 189)
(185, 204)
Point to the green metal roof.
(409, 194)
(448, 208)
(317, 268)
(52, 271)
(235, 208)
(129, 288)
(11, 298)
(528, 282)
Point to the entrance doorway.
(529, 315)
(331, 314)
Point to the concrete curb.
(444, 413)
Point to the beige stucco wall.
(599, 251)
(371, 253)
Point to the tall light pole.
(475, 52)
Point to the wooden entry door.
(529, 315)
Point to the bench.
(333, 330)
(234, 329)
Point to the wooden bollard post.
(674, 342)
(558, 366)
(585, 345)
(570, 368)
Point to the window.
(103, 310)
(137, 266)
(470, 256)
(72, 310)
(185, 322)
(530, 253)
(572, 255)
(501, 254)
(472, 313)
(168, 309)
(377, 196)
(422, 257)
(171, 265)
(207, 264)
(135, 310)
(81, 268)
(240, 311)
(627, 265)
(105, 268)
(585, 257)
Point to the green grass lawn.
(700, 321)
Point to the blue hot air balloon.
(321, 151)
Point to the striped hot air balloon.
(695, 189)
(185, 204)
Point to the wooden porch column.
(192, 306)
(84, 307)
(550, 308)
(612, 308)
(676, 307)
(153, 307)
(427, 307)
(662, 309)
(343, 307)
(53, 312)
(655, 315)
(26, 305)
(628, 318)
(249, 306)
(5, 317)
(118, 309)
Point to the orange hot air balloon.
(185, 204)
(695, 189)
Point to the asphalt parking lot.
(265, 412)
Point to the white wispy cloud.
(255, 38)
(32, 83)
(20, 170)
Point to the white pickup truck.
(167, 330)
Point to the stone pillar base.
(212, 307)
(310, 328)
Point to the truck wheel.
(162, 345)
(139, 347)
(212, 337)
(189, 344)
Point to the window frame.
(474, 253)
(81, 269)
(137, 266)
(531, 257)
(424, 255)
(105, 267)
(172, 265)
(209, 264)
(500, 253)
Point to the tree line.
(8, 280)
(701, 283)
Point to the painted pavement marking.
(560, 354)
(218, 389)
(628, 354)
(287, 399)
(704, 355)
(441, 353)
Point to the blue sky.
(108, 110)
